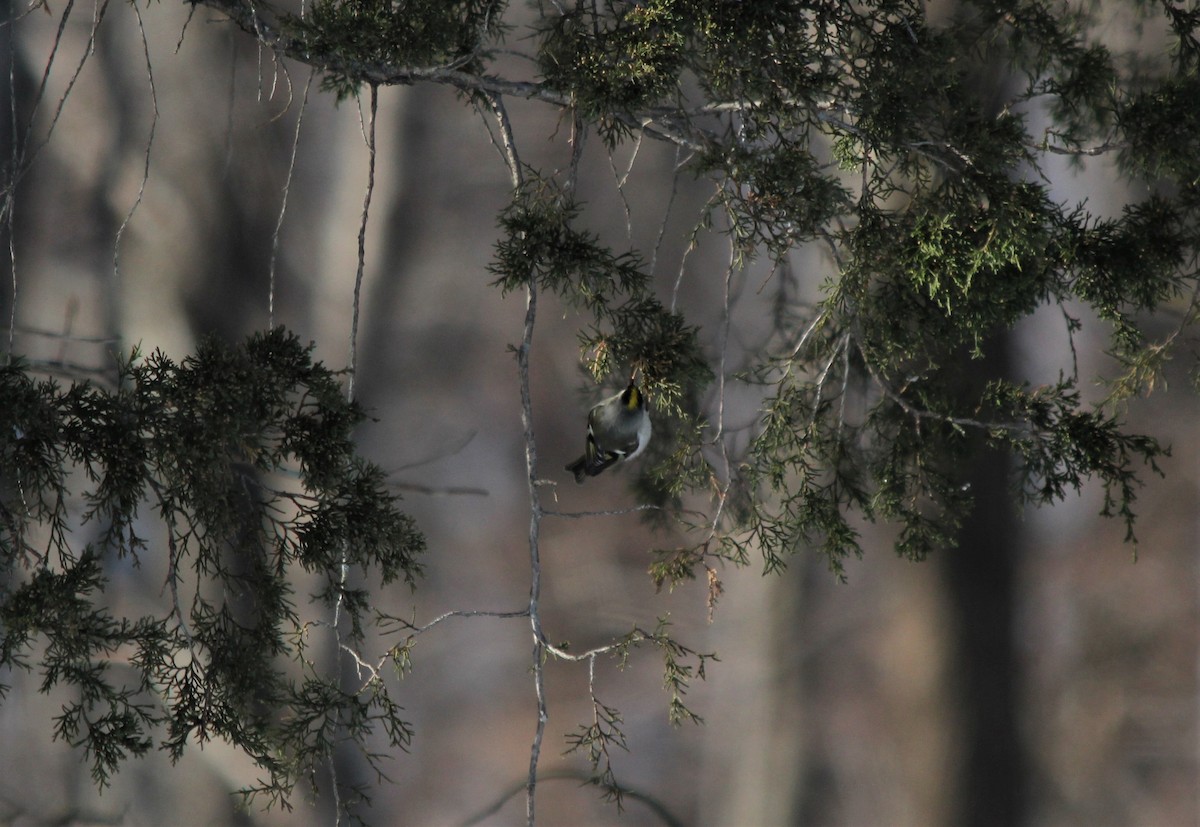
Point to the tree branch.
(251, 19)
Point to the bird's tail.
(579, 468)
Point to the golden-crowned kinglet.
(618, 430)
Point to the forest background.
(187, 182)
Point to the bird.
(618, 430)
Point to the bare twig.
(415, 630)
(662, 227)
(65, 336)
(439, 455)
(531, 477)
(369, 133)
(535, 518)
(41, 92)
(507, 142)
(1086, 151)
(638, 636)
(149, 145)
(287, 186)
(344, 568)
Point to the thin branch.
(531, 477)
(723, 337)
(149, 145)
(722, 480)
(657, 807)
(437, 456)
(535, 517)
(415, 630)
(1089, 151)
(917, 414)
(823, 377)
(662, 227)
(183, 29)
(26, 330)
(845, 393)
(41, 90)
(344, 568)
(362, 239)
(638, 636)
(693, 243)
(507, 141)
(375, 668)
(287, 186)
(1070, 323)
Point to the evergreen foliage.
(905, 148)
(237, 467)
(631, 330)
(367, 34)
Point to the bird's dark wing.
(594, 460)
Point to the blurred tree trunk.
(980, 580)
